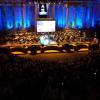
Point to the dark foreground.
(73, 79)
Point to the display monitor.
(43, 10)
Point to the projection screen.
(45, 26)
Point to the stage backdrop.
(23, 16)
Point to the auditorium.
(50, 49)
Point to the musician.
(95, 44)
(95, 40)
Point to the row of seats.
(42, 48)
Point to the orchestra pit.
(50, 49)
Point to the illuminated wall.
(0, 19)
(29, 16)
(78, 16)
(71, 17)
(18, 16)
(60, 15)
(96, 14)
(11, 17)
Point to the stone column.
(74, 17)
(67, 14)
(53, 11)
(4, 15)
(23, 5)
(82, 17)
(48, 11)
(88, 11)
(63, 16)
(90, 20)
(13, 13)
(36, 14)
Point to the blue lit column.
(4, 14)
(13, 16)
(53, 11)
(0, 19)
(48, 14)
(23, 15)
(74, 17)
(49, 9)
(83, 17)
(67, 13)
(56, 14)
(89, 24)
(36, 14)
(92, 12)
(90, 16)
(36, 10)
(63, 16)
(87, 16)
(33, 16)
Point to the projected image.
(45, 26)
(43, 9)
